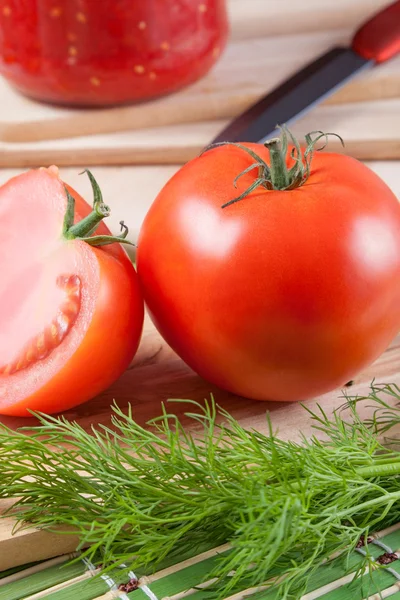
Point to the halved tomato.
(71, 313)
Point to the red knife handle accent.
(379, 38)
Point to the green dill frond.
(149, 496)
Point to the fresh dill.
(143, 495)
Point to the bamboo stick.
(38, 568)
(245, 593)
(329, 587)
(385, 593)
(334, 585)
(210, 553)
(184, 564)
(385, 532)
(56, 588)
(241, 595)
(111, 595)
(187, 593)
(318, 593)
(114, 594)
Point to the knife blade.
(375, 42)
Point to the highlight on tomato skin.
(71, 308)
(273, 270)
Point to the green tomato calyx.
(278, 175)
(84, 229)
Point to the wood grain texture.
(20, 547)
(277, 17)
(252, 65)
(371, 131)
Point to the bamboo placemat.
(64, 579)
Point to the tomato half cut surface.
(71, 314)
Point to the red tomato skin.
(110, 341)
(283, 295)
(117, 317)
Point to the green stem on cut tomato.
(84, 229)
(278, 175)
(89, 223)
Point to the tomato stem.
(278, 175)
(84, 229)
(89, 224)
(69, 213)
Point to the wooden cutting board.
(156, 373)
(371, 131)
(268, 43)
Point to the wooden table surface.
(156, 373)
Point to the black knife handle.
(293, 97)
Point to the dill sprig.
(143, 495)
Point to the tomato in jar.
(104, 52)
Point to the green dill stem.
(384, 499)
(383, 460)
(391, 466)
(380, 470)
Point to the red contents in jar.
(99, 52)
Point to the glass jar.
(105, 52)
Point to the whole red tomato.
(71, 313)
(285, 294)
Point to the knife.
(375, 42)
